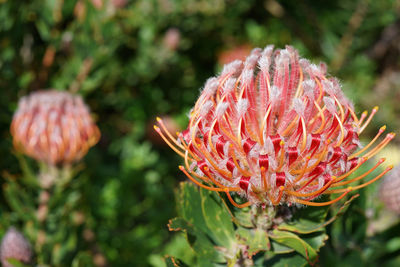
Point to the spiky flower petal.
(276, 129)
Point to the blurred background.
(135, 60)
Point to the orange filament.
(281, 156)
(187, 147)
(207, 155)
(353, 115)
(237, 84)
(235, 161)
(303, 146)
(299, 87)
(341, 131)
(340, 109)
(303, 171)
(205, 179)
(256, 193)
(186, 160)
(251, 133)
(241, 90)
(239, 135)
(374, 110)
(160, 121)
(200, 184)
(319, 159)
(209, 158)
(264, 122)
(320, 204)
(206, 170)
(321, 114)
(362, 161)
(210, 138)
(364, 184)
(225, 131)
(379, 147)
(280, 194)
(234, 203)
(263, 178)
(290, 126)
(381, 130)
(361, 176)
(321, 90)
(317, 192)
(362, 117)
(158, 130)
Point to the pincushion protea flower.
(53, 127)
(275, 129)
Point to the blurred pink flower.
(236, 53)
(53, 127)
(14, 246)
(390, 191)
(172, 38)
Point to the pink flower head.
(275, 129)
(53, 127)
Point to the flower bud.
(53, 127)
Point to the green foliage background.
(126, 187)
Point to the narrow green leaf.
(189, 205)
(294, 241)
(217, 219)
(278, 248)
(302, 223)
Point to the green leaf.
(179, 224)
(256, 239)
(189, 206)
(294, 241)
(217, 219)
(279, 248)
(316, 240)
(243, 218)
(303, 222)
(173, 262)
(286, 260)
(29, 176)
(16, 263)
(197, 239)
(84, 258)
(19, 201)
